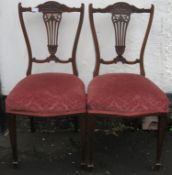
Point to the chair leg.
(76, 124)
(83, 134)
(90, 137)
(160, 140)
(32, 125)
(13, 140)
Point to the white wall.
(13, 53)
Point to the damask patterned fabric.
(47, 94)
(128, 95)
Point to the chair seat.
(47, 94)
(124, 94)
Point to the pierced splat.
(120, 18)
(120, 22)
(52, 14)
(52, 21)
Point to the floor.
(57, 153)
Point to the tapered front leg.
(13, 140)
(90, 137)
(84, 143)
(160, 139)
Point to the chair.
(125, 95)
(47, 94)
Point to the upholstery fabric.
(125, 94)
(47, 94)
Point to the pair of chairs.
(60, 94)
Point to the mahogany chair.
(47, 94)
(125, 95)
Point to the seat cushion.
(125, 95)
(47, 94)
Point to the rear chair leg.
(76, 123)
(32, 125)
(160, 140)
(12, 134)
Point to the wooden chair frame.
(52, 12)
(121, 13)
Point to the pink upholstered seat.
(47, 94)
(128, 95)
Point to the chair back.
(120, 14)
(52, 15)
